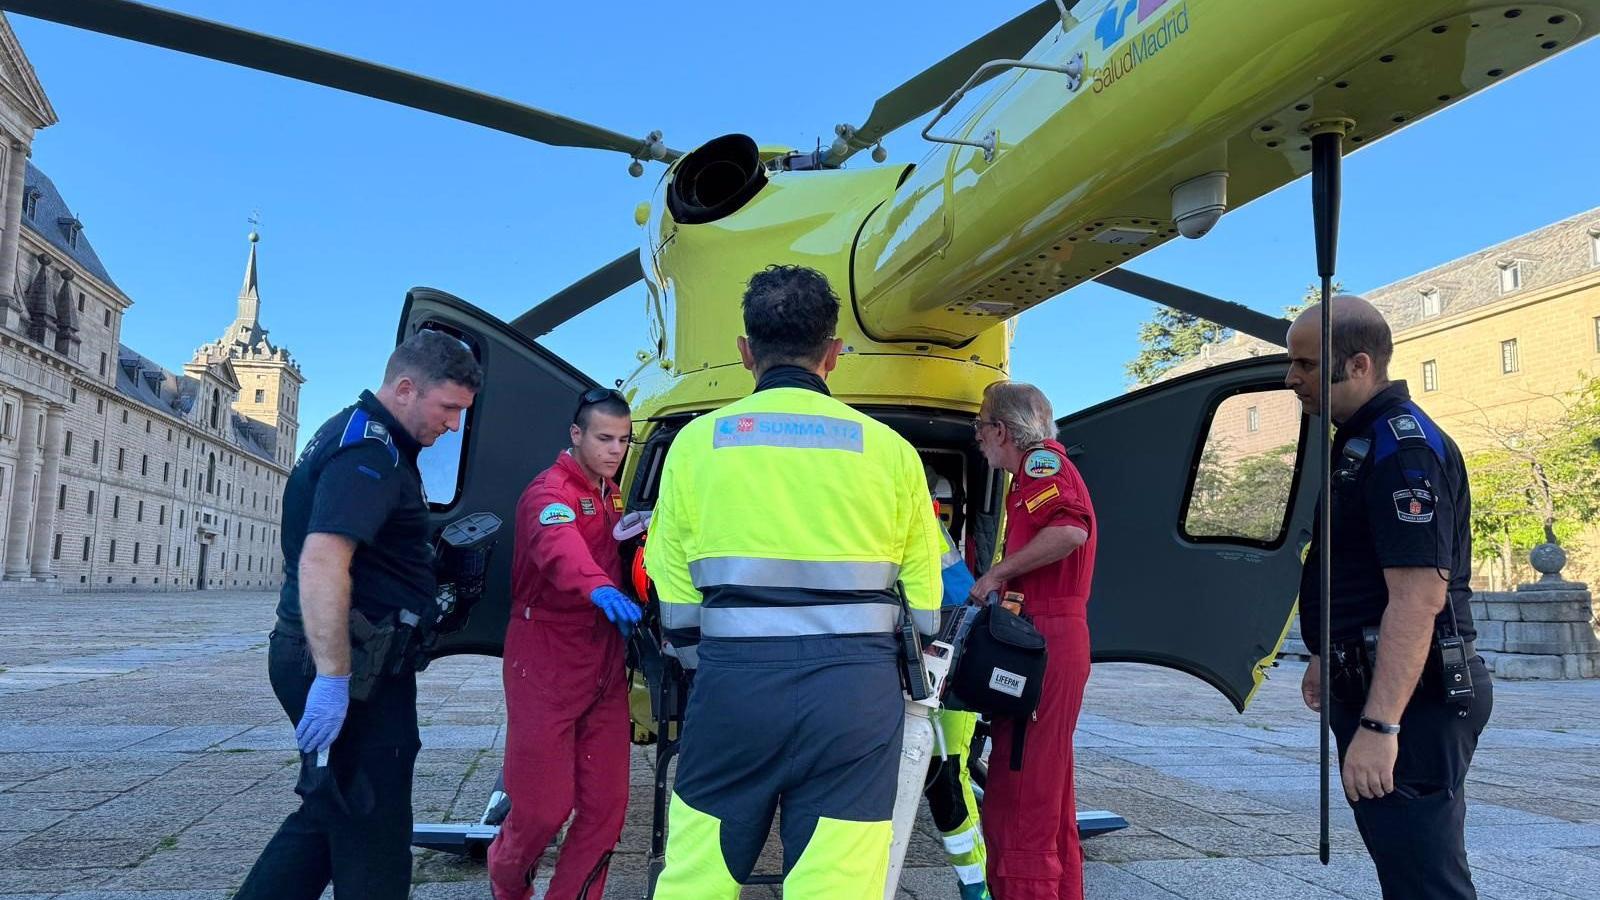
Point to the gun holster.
(370, 648)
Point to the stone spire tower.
(269, 378)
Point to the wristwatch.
(1380, 727)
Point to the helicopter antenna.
(1327, 137)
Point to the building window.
(1594, 246)
(261, 396)
(89, 506)
(74, 395)
(55, 550)
(100, 402)
(86, 548)
(94, 452)
(124, 417)
(1597, 334)
(121, 457)
(1430, 375)
(61, 498)
(216, 406)
(1252, 419)
(188, 442)
(66, 447)
(135, 551)
(144, 464)
(166, 470)
(1510, 276)
(9, 421)
(108, 318)
(112, 555)
(169, 435)
(1508, 357)
(30, 202)
(158, 554)
(80, 301)
(139, 513)
(161, 515)
(116, 505)
(211, 475)
(1430, 303)
(146, 426)
(177, 559)
(180, 518)
(102, 365)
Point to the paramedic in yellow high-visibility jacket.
(783, 524)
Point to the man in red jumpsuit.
(566, 691)
(1030, 818)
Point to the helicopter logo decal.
(1123, 58)
(1113, 22)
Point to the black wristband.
(1380, 727)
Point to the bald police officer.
(1410, 696)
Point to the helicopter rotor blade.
(225, 43)
(582, 294)
(935, 84)
(1226, 313)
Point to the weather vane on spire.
(255, 225)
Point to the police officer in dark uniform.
(356, 547)
(1410, 696)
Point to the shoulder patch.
(1414, 505)
(1042, 463)
(557, 514)
(1405, 426)
(1051, 492)
(362, 427)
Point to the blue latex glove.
(621, 610)
(326, 704)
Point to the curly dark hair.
(790, 315)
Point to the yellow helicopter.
(1109, 127)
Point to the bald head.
(1362, 348)
(1358, 327)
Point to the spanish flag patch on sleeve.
(1051, 492)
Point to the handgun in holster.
(371, 646)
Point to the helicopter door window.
(1241, 484)
(440, 464)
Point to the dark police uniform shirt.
(1405, 505)
(358, 477)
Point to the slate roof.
(51, 221)
(142, 379)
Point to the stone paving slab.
(156, 768)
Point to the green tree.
(1169, 338)
(1313, 294)
(1246, 497)
(1172, 336)
(1539, 481)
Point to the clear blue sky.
(164, 156)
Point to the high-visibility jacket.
(788, 513)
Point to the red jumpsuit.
(1029, 816)
(566, 695)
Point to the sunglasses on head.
(597, 395)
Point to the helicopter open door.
(515, 428)
(1203, 512)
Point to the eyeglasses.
(977, 424)
(597, 395)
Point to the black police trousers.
(1417, 834)
(353, 826)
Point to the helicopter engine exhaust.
(716, 180)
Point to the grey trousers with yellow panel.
(810, 726)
